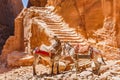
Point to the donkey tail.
(103, 61)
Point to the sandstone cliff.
(97, 20)
(37, 3)
(9, 9)
(88, 18)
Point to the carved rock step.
(69, 33)
(62, 30)
(67, 38)
(54, 23)
(72, 41)
(66, 35)
(55, 27)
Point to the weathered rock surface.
(16, 42)
(90, 17)
(37, 3)
(96, 19)
(9, 9)
(17, 59)
(25, 73)
(45, 22)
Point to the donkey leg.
(103, 61)
(34, 64)
(52, 67)
(58, 67)
(34, 71)
(75, 59)
(98, 70)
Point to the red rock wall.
(16, 42)
(118, 22)
(98, 20)
(38, 3)
(9, 9)
(86, 15)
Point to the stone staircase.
(57, 26)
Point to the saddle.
(41, 52)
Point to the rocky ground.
(111, 71)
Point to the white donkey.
(69, 50)
(93, 53)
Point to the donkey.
(46, 52)
(97, 59)
(94, 54)
(69, 50)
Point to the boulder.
(17, 59)
(86, 74)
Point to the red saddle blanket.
(42, 52)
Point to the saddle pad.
(42, 52)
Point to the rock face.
(80, 14)
(99, 26)
(28, 33)
(16, 59)
(95, 19)
(111, 71)
(90, 16)
(16, 42)
(37, 3)
(8, 11)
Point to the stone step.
(55, 27)
(53, 23)
(66, 35)
(69, 38)
(67, 29)
(72, 41)
(62, 30)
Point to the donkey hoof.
(34, 74)
(105, 64)
(52, 75)
(58, 72)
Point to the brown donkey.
(40, 54)
(52, 52)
